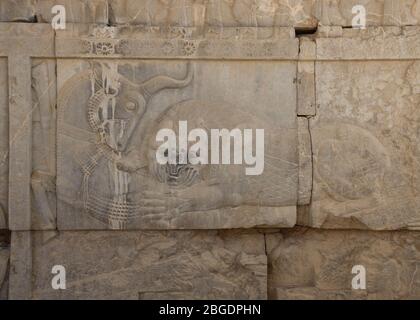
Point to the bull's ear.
(155, 84)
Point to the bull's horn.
(155, 84)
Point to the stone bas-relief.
(80, 109)
(4, 144)
(227, 13)
(80, 11)
(378, 12)
(163, 42)
(366, 146)
(317, 264)
(17, 11)
(109, 114)
(216, 13)
(151, 265)
(375, 43)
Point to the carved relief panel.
(149, 265)
(109, 114)
(366, 146)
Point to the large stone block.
(189, 43)
(101, 185)
(44, 105)
(366, 146)
(375, 43)
(27, 143)
(315, 264)
(305, 162)
(77, 11)
(378, 12)
(4, 143)
(301, 14)
(17, 10)
(339, 13)
(236, 13)
(4, 264)
(81, 108)
(141, 265)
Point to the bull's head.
(120, 104)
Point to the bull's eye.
(131, 106)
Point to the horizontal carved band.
(185, 43)
(246, 43)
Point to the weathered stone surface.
(149, 265)
(80, 109)
(19, 71)
(403, 13)
(20, 277)
(20, 42)
(4, 264)
(204, 196)
(236, 13)
(306, 88)
(314, 264)
(366, 146)
(307, 48)
(306, 100)
(43, 175)
(233, 13)
(17, 10)
(77, 11)
(378, 12)
(89, 41)
(305, 162)
(4, 144)
(265, 13)
(26, 39)
(376, 43)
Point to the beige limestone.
(77, 11)
(303, 14)
(4, 144)
(305, 162)
(19, 43)
(80, 11)
(147, 265)
(378, 12)
(44, 119)
(17, 10)
(314, 264)
(376, 43)
(205, 197)
(339, 107)
(4, 264)
(236, 13)
(365, 146)
(190, 43)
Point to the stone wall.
(80, 186)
